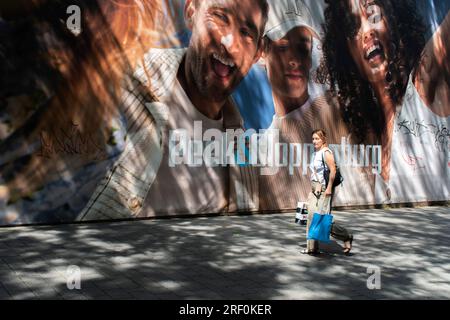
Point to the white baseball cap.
(285, 15)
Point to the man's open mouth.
(374, 50)
(222, 66)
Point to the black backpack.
(326, 174)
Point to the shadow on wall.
(61, 120)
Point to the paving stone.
(121, 294)
(4, 294)
(143, 294)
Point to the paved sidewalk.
(238, 257)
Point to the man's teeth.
(372, 49)
(223, 60)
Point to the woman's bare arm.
(433, 75)
(329, 160)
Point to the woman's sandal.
(348, 249)
(310, 252)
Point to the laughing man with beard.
(190, 84)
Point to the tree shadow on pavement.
(229, 257)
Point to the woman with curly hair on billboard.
(393, 89)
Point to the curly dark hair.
(359, 105)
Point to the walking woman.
(319, 199)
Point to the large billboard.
(149, 108)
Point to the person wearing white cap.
(288, 46)
(288, 42)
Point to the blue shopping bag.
(320, 227)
